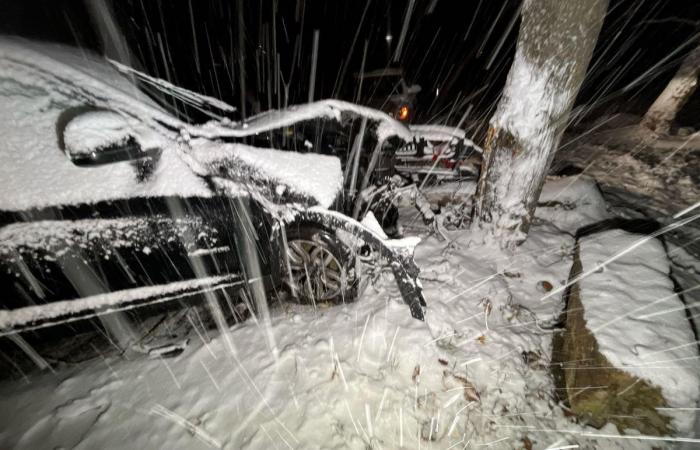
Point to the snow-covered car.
(111, 203)
(365, 141)
(439, 152)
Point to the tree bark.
(663, 111)
(555, 44)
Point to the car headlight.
(404, 113)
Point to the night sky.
(459, 51)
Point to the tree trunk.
(663, 111)
(554, 47)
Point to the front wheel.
(321, 268)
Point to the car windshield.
(181, 103)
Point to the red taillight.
(403, 113)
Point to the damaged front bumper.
(398, 253)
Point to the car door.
(71, 261)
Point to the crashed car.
(111, 203)
(439, 153)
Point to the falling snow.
(227, 357)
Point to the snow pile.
(316, 176)
(638, 320)
(560, 196)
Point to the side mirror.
(97, 137)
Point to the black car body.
(164, 212)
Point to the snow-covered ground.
(637, 318)
(362, 375)
(648, 178)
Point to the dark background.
(459, 51)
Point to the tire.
(321, 268)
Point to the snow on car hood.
(319, 177)
(40, 82)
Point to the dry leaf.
(470, 392)
(416, 374)
(544, 286)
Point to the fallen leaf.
(470, 392)
(545, 286)
(416, 374)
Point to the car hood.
(281, 175)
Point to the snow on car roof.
(40, 81)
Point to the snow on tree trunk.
(663, 111)
(554, 47)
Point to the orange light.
(403, 113)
